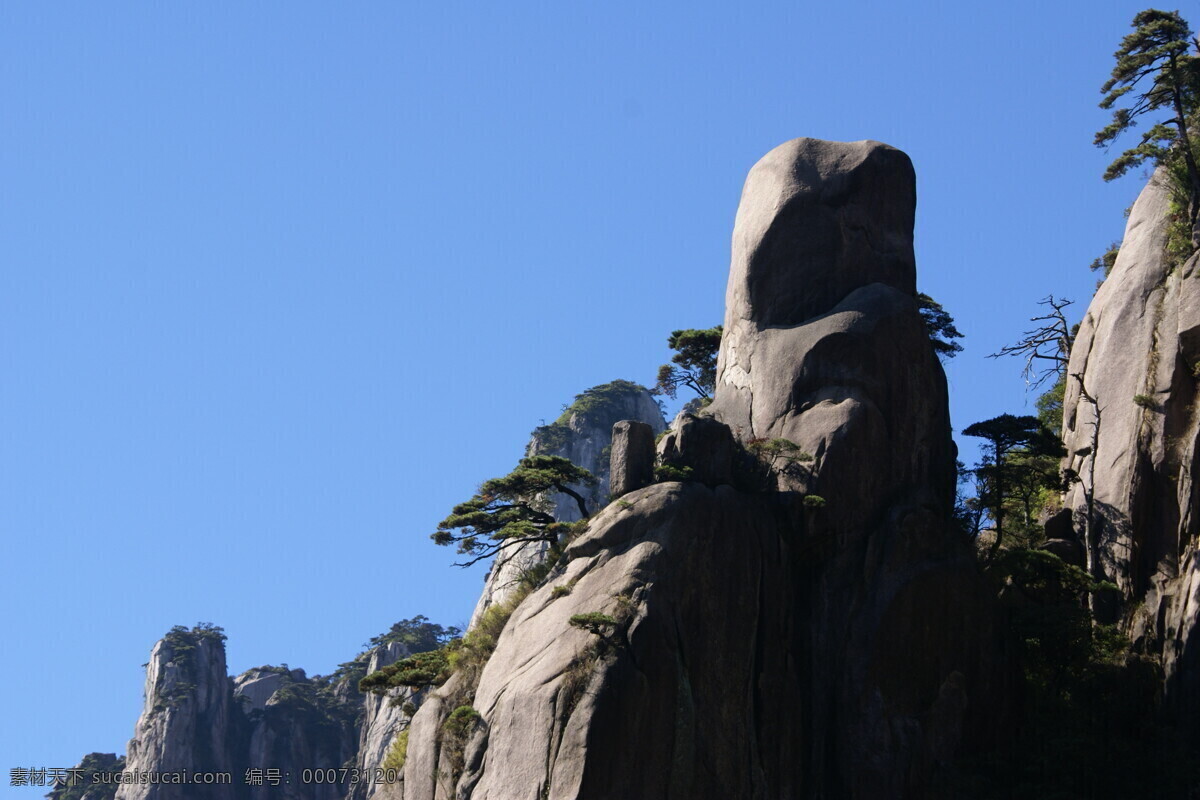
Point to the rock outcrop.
(823, 345)
(794, 617)
(92, 779)
(303, 725)
(266, 728)
(1131, 423)
(710, 639)
(188, 718)
(701, 448)
(583, 435)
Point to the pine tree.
(514, 509)
(1157, 52)
(1020, 457)
(940, 326)
(694, 364)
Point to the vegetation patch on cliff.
(182, 644)
(84, 789)
(599, 406)
(398, 752)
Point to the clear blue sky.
(284, 281)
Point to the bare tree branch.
(1049, 342)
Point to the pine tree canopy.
(694, 364)
(940, 325)
(514, 509)
(1155, 71)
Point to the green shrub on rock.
(593, 622)
(417, 671)
(460, 721)
(397, 753)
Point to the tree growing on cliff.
(600, 406)
(1156, 75)
(1020, 459)
(940, 326)
(694, 364)
(514, 509)
(1106, 261)
(417, 634)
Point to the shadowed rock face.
(1137, 502)
(763, 647)
(835, 215)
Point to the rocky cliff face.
(92, 782)
(383, 718)
(827, 637)
(197, 719)
(187, 719)
(583, 435)
(1131, 423)
(302, 725)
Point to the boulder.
(1060, 525)
(1069, 550)
(702, 447)
(817, 220)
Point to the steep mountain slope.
(188, 718)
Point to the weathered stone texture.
(823, 344)
(632, 462)
(185, 722)
(196, 718)
(702, 446)
(1136, 506)
(383, 718)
